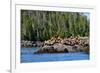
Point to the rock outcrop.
(59, 45)
(31, 43)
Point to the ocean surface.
(27, 56)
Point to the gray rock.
(58, 47)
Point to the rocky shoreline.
(31, 43)
(60, 45)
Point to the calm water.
(27, 55)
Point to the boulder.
(58, 48)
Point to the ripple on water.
(27, 55)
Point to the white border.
(16, 66)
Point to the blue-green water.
(27, 56)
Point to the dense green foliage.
(42, 25)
